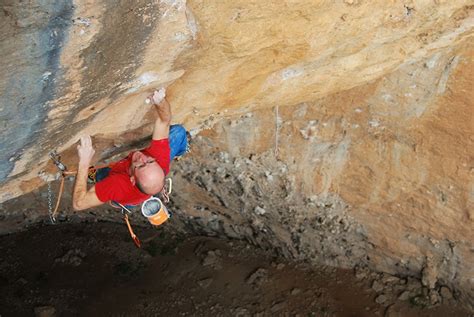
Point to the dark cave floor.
(93, 269)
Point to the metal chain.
(50, 204)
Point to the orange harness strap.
(132, 234)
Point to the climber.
(141, 174)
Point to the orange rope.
(61, 187)
(61, 190)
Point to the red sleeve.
(113, 187)
(121, 166)
(160, 150)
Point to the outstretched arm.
(163, 110)
(81, 198)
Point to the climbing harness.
(152, 208)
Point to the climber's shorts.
(178, 141)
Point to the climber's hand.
(85, 151)
(157, 97)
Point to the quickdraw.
(64, 172)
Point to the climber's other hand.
(85, 151)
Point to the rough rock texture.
(339, 132)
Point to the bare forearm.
(164, 112)
(80, 187)
(163, 121)
(81, 198)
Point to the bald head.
(148, 175)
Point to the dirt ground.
(94, 269)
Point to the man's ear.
(133, 180)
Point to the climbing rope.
(91, 175)
(64, 172)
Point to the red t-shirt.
(117, 185)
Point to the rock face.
(339, 132)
